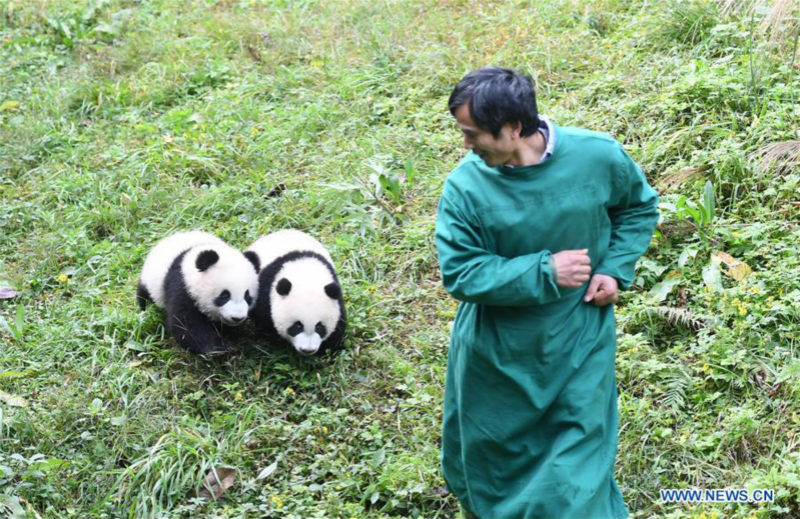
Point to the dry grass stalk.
(675, 180)
(783, 156)
(777, 19)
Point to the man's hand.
(602, 290)
(573, 267)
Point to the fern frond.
(678, 382)
(679, 316)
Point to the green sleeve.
(473, 274)
(633, 210)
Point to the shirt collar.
(549, 133)
(547, 130)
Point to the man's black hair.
(497, 96)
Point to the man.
(538, 227)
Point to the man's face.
(493, 151)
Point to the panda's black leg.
(142, 296)
(195, 332)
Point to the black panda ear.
(253, 257)
(284, 287)
(333, 290)
(205, 259)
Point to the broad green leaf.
(410, 171)
(688, 252)
(663, 288)
(707, 208)
(712, 276)
(12, 506)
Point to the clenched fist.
(573, 267)
(602, 290)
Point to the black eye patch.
(284, 286)
(295, 329)
(248, 298)
(222, 298)
(320, 329)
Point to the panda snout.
(306, 343)
(234, 320)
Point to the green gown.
(530, 416)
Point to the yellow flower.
(277, 502)
(63, 278)
(289, 391)
(238, 396)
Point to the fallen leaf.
(735, 269)
(16, 374)
(7, 293)
(13, 400)
(267, 471)
(216, 482)
(9, 106)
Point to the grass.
(122, 121)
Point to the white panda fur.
(270, 247)
(298, 284)
(202, 283)
(160, 259)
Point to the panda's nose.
(238, 320)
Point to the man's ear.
(515, 129)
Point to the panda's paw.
(216, 348)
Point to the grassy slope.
(122, 121)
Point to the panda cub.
(299, 296)
(202, 283)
